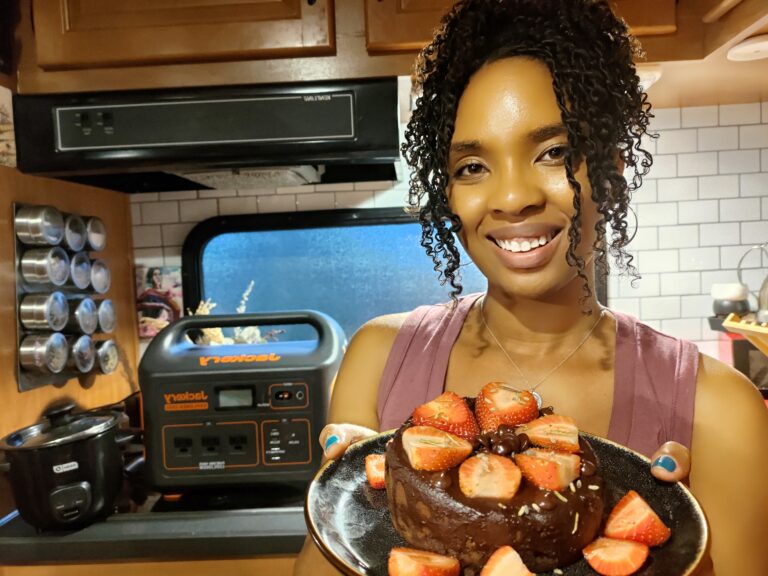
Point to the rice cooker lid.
(59, 427)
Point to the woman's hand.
(671, 462)
(336, 438)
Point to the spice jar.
(45, 265)
(101, 278)
(107, 356)
(107, 315)
(75, 234)
(96, 234)
(44, 311)
(39, 225)
(80, 271)
(83, 316)
(44, 352)
(82, 353)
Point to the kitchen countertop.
(159, 536)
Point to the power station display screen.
(235, 397)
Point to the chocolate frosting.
(431, 513)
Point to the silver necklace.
(532, 389)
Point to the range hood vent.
(233, 137)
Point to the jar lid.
(107, 356)
(101, 278)
(80, 270)
(59, 427)
(86, 316)
(74, 232)
(107, 315)
(57, 265)
(96, 234)
(56, 310)
(83, 353)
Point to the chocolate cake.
(547, 528)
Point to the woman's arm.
(354, 401)
(729, 467)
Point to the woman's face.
(508, 183)
(157, 278)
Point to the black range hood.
(212, 137)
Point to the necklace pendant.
(539, 401)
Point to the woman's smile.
(527, 252)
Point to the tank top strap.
(654, 387)
(418, 362)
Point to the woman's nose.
(514, 192)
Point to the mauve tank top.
(654, 375)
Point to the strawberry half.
(448, 412)
(489, 476)
(633, 519)
(432, 449)
(410, 562)
(498, 403)
(547, 469)
(611, 557)
(505, 562)
(554, 431)
(374, 470)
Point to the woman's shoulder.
(719, 385)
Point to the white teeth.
(524, 244)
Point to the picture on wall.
(159, 298)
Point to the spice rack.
(62, 333)
(747, 326)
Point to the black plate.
(350, 521)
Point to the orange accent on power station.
(205, 361)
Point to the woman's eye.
(471, 169)
(554, 154)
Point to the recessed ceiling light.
(753, 48)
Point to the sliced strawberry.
(505, 562)
(554, 431)
(548, 469)
(499, 404)
(448, 412)
(410, 562)
(633, 519)
(489, 476)
(374, 470)
(611, 557)
(432, 449)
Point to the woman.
(530, 112)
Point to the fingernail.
(330, 441)
(666, 462)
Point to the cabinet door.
(407, 25)
(78, 34)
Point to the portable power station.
(237, 414)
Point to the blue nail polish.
(665, 462)
(330, 441)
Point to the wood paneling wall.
(18, 409)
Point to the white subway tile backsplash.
(753, 136)
(726, 186)
(147, 236)
(149, 256)
(664, 166)
(739, 161)
(658, 261)
(699, 116)
(658, 214)
(683, 236)
(699, 164)
(178, 195)
(753, 278)
(646, 238)
(700, 211)
(375, 185)
(629, 306)
(390, 198)
(731, 114)
(765, 112)
(135, 214)
(676, 284)
(724, 138)
(275, 203)
(648, 285)
(754, 184)
(731, 255)
(316, 201)
(337, 187)
(739, 209)
(665, 119)
(144, 197)
(172, 256)
(699, 306)
(725, 276)
(659, 308)
(683, 328)
(676, 141)
(262, 191)
(304, 189)
(175, 234)
(764, 160)
(710, 348)
(646, 193)
(647, 143)
(676, 189)
(754, 232)
(699, 259)
(765, 209)
(216, 193)
(159, 212)
(198, 210)
(354, 200)
(719, 234)
(238, 205)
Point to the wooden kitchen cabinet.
(407, 25)
(86, 34)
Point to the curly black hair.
(589, 53)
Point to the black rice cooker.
(66, 470)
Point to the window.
(350, 264)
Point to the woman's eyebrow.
(466, 146)
(544, 133)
